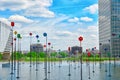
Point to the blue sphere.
(44, 34)
(105, 49)
(37, 36)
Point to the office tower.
(109, 26)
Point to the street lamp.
(81, 39)
(30, 47)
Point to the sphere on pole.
(12, 24)
(44, 46)
(30, 34)
(14, 39)
(37, 36)
(49, 43)
(89, 54)
(15, 32)
(80, 38)
(45, 34)
(69, 49)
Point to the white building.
(5, 38)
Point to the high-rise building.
(109, 26)
(5, 39)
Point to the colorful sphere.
(44, 34)
(89, 54)
(80, 38)
(12, 24)
(49, 43)
(14, 39)
(15, 32)
(30, 34)
(44, 46)
(37, 36)
(68, 48)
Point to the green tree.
(53, 54)
(42, 54)
(1, 56)
(63, 54)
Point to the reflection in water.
(37, 76)
(29, 73)
(59, 72)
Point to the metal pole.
(69, 65)
(15, 56)
(81, 66)
(46, 61)
(89, 71)
(106, 63)
(30, 52)
(18, 60)
(109, 66)
(49, 60)
(12, 54)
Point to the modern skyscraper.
(109, 26)
(5, 37)
(5, 40)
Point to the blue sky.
(63, 20)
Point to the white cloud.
(75, 19)
(19, 18)
(63, 33)
(93, 8)
(37, 8)
(87, 19)
(5, 21)
(93, 28)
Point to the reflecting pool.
(61, 71)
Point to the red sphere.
(80, 38)
(14, 39)
(44, 45)
(49, 43)
(30, 34)
(86, 50)
(68, 48)
(89, 54)
(12, 24)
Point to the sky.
(63, 21)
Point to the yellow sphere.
(15, 32)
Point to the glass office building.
(109, 26)
(5, 37)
